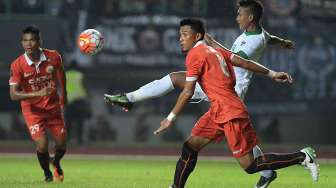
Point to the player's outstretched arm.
(258, 68)
(182, 100)
(16, 94)
(212, 42)
(283, 43)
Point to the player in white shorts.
(249, 45)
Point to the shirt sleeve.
(15, 75)
(267, 36)
(194, 66)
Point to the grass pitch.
(23, 171)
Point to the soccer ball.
(90, 41)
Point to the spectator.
(79, 108)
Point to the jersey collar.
(199, 43)
(30, 62)
(256, 32)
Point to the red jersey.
(33, 77)
(214, 72)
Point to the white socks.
(256, 153)
(153, 89)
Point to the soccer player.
(34, 78)
(227, 116)
(249, 45)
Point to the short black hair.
(255, 6)
(33, 30)
(195, 24)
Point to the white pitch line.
(138, 157)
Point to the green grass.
(106, 172)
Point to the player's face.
(188, 38)
(30, 43)
(243, 17)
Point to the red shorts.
(37, 123)
(239, 133)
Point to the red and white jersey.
(213, 70)
(33, 77)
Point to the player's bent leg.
(197, 143)
(178, 79)
(270, 161)
(188, 159)
(43, 156)
(154, 89)
(267, 176)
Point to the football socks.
(273, 161)
(153, 89)
(185, 165)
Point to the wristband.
(171, 117)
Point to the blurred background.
(141, 45)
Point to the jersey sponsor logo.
(40, 82)
(27, 74)
(242, 43)
(34, 129)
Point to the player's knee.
(257, 152)
(177, 79)
(60, 145)
(42, 149)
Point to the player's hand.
(165, 124)
(288, 44)
(45, 91)
(282, 77)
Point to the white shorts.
(199, 94)
(241, 90)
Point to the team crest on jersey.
(50, 69)
(34, 129)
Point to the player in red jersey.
(227, 116)
(34, 77)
